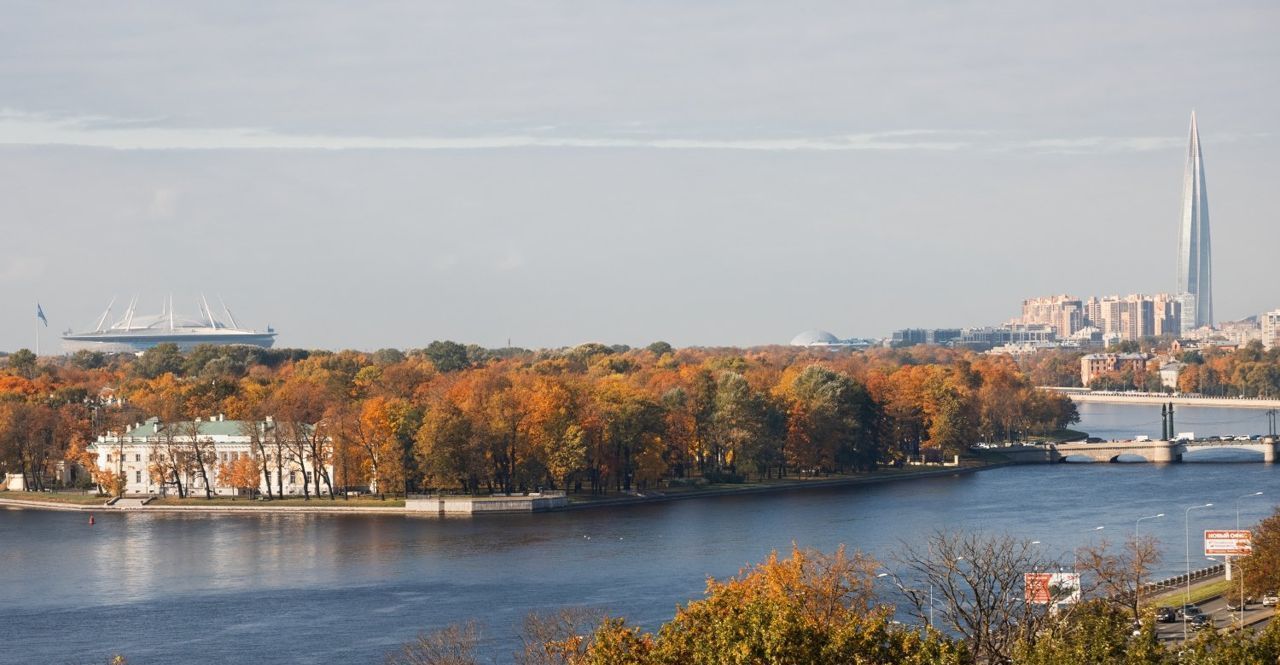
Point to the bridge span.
(1159, 452)
(1086, 396)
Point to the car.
(1201, 622)
(1189, 611)
(1270, 600)
(1166, 615)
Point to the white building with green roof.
(156, 457)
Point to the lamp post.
(1242, 496)
(1139, 521)
(1187, 532)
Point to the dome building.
(815, 338)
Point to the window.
(137, 457)
(108, 457)
(137, 476)
(292, 477)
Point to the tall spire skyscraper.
(1195, 265)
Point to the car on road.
(1200, 622)
(1189, 611)
(1270, 600)
(1166, 615)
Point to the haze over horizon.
(719, 174)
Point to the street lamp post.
(1186, 599)
(1242, 496)
(1139, 521)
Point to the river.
(308, 588)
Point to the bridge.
(1159, 452)
(1084, 395)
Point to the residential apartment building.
(1065, 314)
(1097, 364)
(1270, 323)
(1135, 316)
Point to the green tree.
(1262, 567)
(23, 361)
(448, 356)
(159, 360)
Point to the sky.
(380, 174)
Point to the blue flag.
(40, 315)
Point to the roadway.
(1255, 615)
(1107, 397)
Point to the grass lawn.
(56, 497)
(363, 502)
(1199, 593)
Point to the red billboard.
(1228, 542)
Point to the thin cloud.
(21, 128)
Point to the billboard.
(1046, 588)
(1228, 542)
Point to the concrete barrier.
(475, 505)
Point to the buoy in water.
(90, 520)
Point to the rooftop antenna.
(97, 327)
(208, 314)
(228, 311)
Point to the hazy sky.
(709, 173)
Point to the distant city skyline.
(708, 174)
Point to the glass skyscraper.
(1195, 265)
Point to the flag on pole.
(40, 315)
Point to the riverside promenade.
(1105, 397)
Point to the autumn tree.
(977, 581)
(1261, 569)
(808, 608)
(242, 473)
(1118, 574)
(198, 451)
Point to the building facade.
(1065, 314)
(1195, 264)
(1094, 365)
(1270, 324)
(154, 456)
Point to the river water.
(305, 589)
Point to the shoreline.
(621, 501)
(799, 485)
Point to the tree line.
(1250, 371)
(591, 418)
(836, 608)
